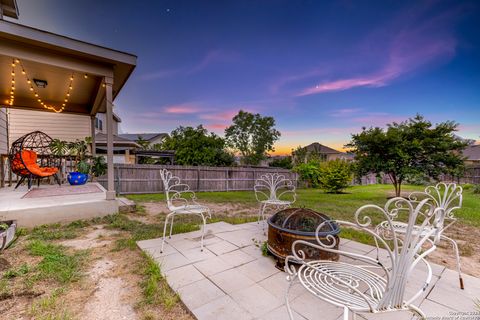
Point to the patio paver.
(232, 280)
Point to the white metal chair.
(181, 200)
(445, 198)
(273, 190)
(355, 287)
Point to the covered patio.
(50, 73)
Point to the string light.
(16, 62)
(12, 90)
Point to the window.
(98, 124)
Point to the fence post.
(198, 179)
(226, 179)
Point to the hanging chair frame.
(39, 143)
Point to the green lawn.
(337, 206)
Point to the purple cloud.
(212, 57)
(418, 43)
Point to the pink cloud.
(417, 44)
(226, 115)
(182, 109)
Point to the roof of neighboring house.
(320, 148)
(472, 152)
(101, 139)
(145, 136)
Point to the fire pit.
(288, 225)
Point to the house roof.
(145, 136)
(472, 152)
(55, 58)
(320, 148)
(101, 139)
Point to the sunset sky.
(322, 69)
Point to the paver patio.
(231, 279)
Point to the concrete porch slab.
(30, 212)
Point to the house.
(50, 82)
(152, 138)
(324, 153)
(472, 154)
(123, 149)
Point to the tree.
(252, 135)
(409, 148)
(335, 175)
(196, 146)
(285, 163)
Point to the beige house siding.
(3, 131)
(69, 127)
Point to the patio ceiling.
(55, 59)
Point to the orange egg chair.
(31, 158)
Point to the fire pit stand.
(288, 225)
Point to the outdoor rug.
(62, 191)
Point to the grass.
(57, 264)
(141, 231)
(50, 307)
(58, 231)
(337, 206)
(155, 290)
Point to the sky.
(322, 69)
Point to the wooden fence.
(144, 178)
(471, 175)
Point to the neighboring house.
(123, 149)
(325, 153)
(152, 138)
(472, 154)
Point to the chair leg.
(20, 182)
(287, 302)
(203, 231)
(38, 182)
(171, 228)
(260, 211)
(345, 313)
(457, 256)
(29, 182)
(165, 230)
(57, 179)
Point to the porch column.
(94, 143)
(109, 105)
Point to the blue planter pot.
(77, 178)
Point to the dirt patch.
(153, 209)
(93, 239)
(468, 240)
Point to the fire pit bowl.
(288, 225)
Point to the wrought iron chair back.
(445, 197)
(274, 187)
(385, 293)
(177, 194)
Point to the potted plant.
(99, 166)
(7, 233)
(79, 149)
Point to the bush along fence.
(144, 178)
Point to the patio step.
(125, 205)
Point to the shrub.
(335, 175)
(309, 173)
(476, 189)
